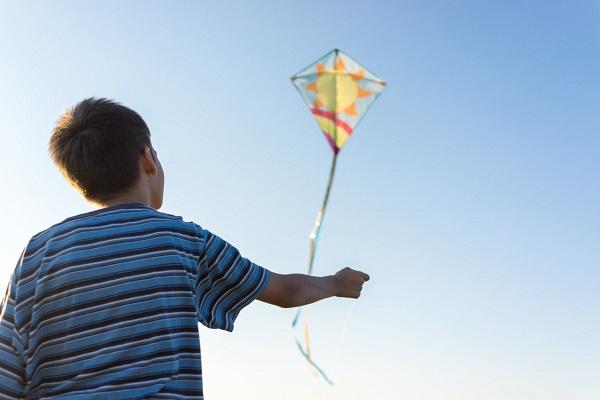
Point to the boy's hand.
(349, 282)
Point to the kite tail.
(312, 363)
(306, 338)
(314, 235)
(314, 239)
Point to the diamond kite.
(338, 91)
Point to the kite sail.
(338, 92)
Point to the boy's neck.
(116, 202)
(136, 195)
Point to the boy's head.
(104, 150)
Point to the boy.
(106, 304)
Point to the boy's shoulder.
(116, 217)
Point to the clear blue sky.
(469, 192)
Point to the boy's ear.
(148, 162)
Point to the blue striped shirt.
(106, 304)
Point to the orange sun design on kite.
(337, 89)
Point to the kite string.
(344, 329)
(343, 337)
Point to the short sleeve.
(226, 283)
(12, 366)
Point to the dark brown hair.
(97, 145)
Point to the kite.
(338, 91)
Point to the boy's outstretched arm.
(296, 290)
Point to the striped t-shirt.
(105, 305)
